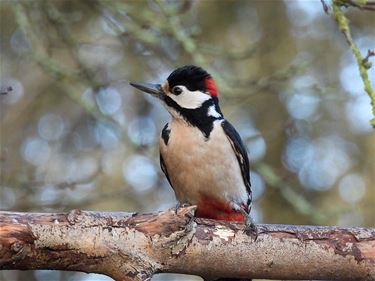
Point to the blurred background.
(74, 134)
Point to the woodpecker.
(201, 153)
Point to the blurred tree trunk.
(136, 246)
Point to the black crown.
(190, 76)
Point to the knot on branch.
(164, 223)
(13, 239)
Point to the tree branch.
(360, 4)
(130, 246)
(343, 24)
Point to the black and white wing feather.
(241, 154)
(164, 169)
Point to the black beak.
(153, 89)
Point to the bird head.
(188, 90)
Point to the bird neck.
(202, 117)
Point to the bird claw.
(179, 205)
(252, 230)
(250, 227)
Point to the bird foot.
(251, 230)
(250, 227)
(179, 205)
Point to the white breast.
(199, 167)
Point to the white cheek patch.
(189, 99)
(212, 112)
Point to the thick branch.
(130, 246)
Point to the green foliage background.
(74, 134)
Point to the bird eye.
(177, 90)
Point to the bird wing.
(164, 169)
(241, 153)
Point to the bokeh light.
(328, 162)
(350, 219)
(106, 135)
(47, 275)
(142, 131)
(16, 92)
(47, 195)
(51, 127)
(102, 55)
(298, 151)
(302, 106)
(7, 198)
(352, 188)
(108, 100)
(257, 184)
(358, 114)
(140, 172)
(36, 151)
(19, 42)
(255, 143)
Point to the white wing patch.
(190, 99)
(212, 112)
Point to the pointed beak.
(153, 89)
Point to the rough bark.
(131, 246)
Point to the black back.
(241, 154)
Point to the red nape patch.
(211, 87)
(212, 208)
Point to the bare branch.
(130, 246)
(343, 24)
(370, 53)
(360, 4)
(325, 7)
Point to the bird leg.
(250, 227)
(181, 205)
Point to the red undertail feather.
(212, 208)
(211, 87)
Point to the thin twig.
(296, 200)
(363, 5)
(370, 53)
(343, 24)
(325, 7)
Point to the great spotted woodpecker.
(201, 153)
